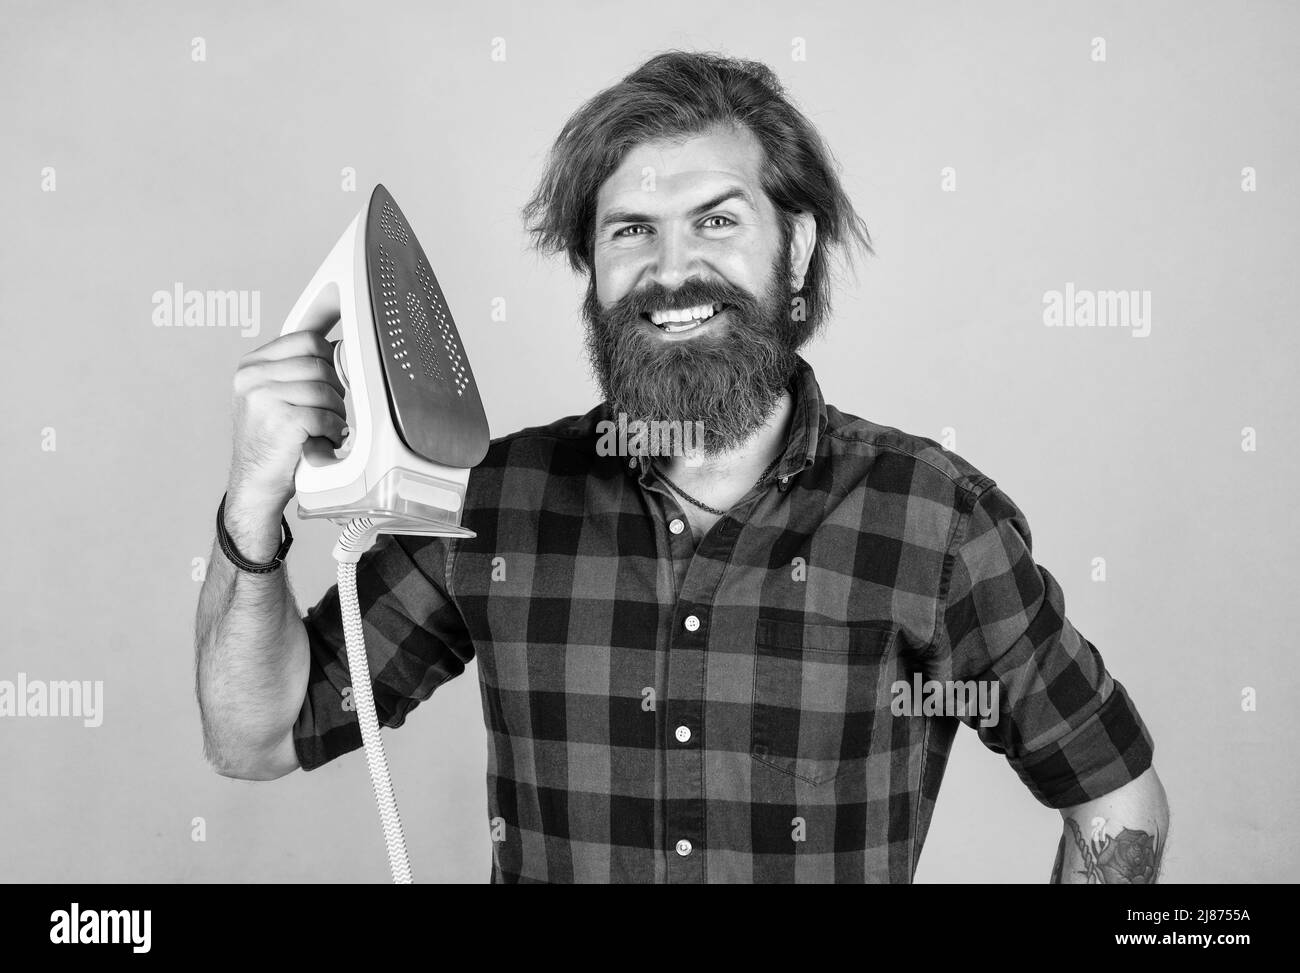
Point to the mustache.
(691, 293)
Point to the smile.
(677, 321)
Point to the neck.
(745, 461)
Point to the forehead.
(686, 169)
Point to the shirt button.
(683, 734)
(692, 623)
(683, 847)
(676, 526)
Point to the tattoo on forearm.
(1129, 858)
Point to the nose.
(675, 258)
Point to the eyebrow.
(626, 216)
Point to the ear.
(803, 238)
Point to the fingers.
(284, 393)
(296, 344)
(316, 395)
(307, 368)
(322, 423)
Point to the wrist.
(252, 523)
(256, 498)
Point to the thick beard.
(730, 383)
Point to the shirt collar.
(807, 423)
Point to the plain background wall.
(226, 174)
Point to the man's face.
(686, 228)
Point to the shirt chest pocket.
(817, 692)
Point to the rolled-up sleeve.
(1067, 727)
(415, 641)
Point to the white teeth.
(692, 314)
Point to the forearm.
(251, 654)
(1118, 839)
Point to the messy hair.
(676, 95)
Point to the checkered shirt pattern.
(659, 710)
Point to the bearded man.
(696, 665)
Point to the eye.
(726, 221)
(627, 230)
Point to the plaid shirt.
(659, 711)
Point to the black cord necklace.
(704, 506)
